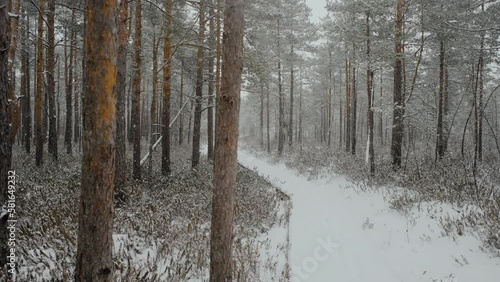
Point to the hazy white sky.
(318, 9)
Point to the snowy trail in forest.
(342, 234)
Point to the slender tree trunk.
(51, 82)
(226, 149)
(39, 89)
(268, 121)
(25, 87)
(445, 107)
(181, 103)
(261, 131)
(58, 98)
(121, 97)
(69, 89)
(76, 100)
(211, 81)
(195, 160)
(45, 118)
(476, 112)
(347, 106)
(300, 111)
(354, 111)
(218, 53)
(330, 95)
(290, 121)
(94, 260)
(440, 136)
(136, 98)
(190, 122)
(480, 102)
(5, 117)
(397, 121)
(154, 101)
(380, 115)
(281, 118)
(14, 111)
(167, 70)
(369, 86)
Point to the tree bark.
(51, 82)
(14, 111)
(268, 121)
(39, 134)
(261, 116)
(195, 159)
(136, 98)
(347, 130)
(94, 260)
(5, 117)
(25, 87)
(211, 78)
(167, 70)
(353, 111)
(440, 135)
(181, 103)
(154, 102)
(68, 136)
(226, 149)
(121, 97)
(281, 117)
(369, 91)
(330, 95)
(397, 120)
(290, 119)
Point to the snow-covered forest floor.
(310, 215)
(348, 226)
(162, 229)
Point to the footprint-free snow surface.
(340, 233)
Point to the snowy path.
(339, 235)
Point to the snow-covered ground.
(339, 233)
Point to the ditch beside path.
(339, 233)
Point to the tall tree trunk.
(380, 115)
(136, 98)
(480, 102)
(76, 102)
(268, 121)
(94, 260)
(290, 120)
(14, 111)
(68, 136)
(154, 101)
(354, 110)
(446, 107)
(195, 159)
(211, 81)
(261, 129)
(181, 103)
(300, 133)
(167, 70)
(58, 98)
(281, 117)
(25, 87)
(51, 82)
(347, 130)
(226, 149)
(5, 144)
(121, 97)
(369, 91)
(440, 135)
(397, 121)
(218, 53)
(330, 95)
(39, 89)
